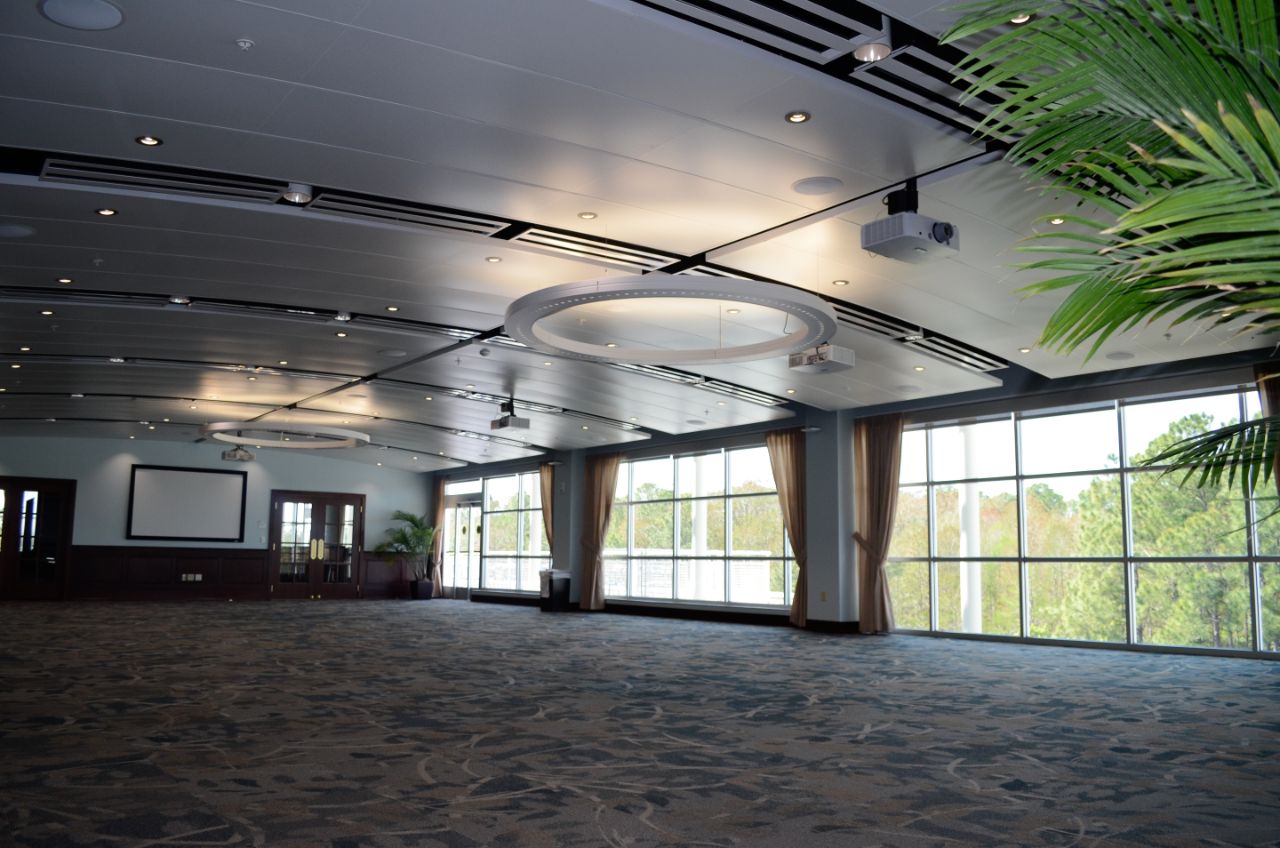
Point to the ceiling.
(452, 149)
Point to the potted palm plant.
(412, 543)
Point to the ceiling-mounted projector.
(237, 454)
(822, 359)
(910, 237)
(906, 235)
(507, 419)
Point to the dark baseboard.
(731, 616)
(514, 600)
(850, 627)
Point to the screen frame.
(133, 492)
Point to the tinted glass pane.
(501, 493)
(909, 589)
(977, 597)
(463, 487)
(700, 580)
(533, 534)
(1173, 520)
(749, 471)
(530, 491)
(973, 450)
(1077, 600)
(913, 468)
(529, 568)
(500, 533)
(911, 523)
(1269, 578)
(653, 531)
(615, 578)
(977, 519)
(1268, 518)
(1203, 605)
(1074, 516)
(499, 573)
(757, 526)
(702, 527)
(702, 475)
(651, 578)
(652, 478)
(1081, 441)
(615, 540)
(1152, 427)
(756, 582)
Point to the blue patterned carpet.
(454, 724)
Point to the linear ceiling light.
(267, 436)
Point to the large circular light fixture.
(267, 436)
(797, 319)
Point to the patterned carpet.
(451, 724)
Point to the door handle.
(320, 546)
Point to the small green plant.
(412, 542)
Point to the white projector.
(910, 237)
(509, 422)
(822, 359)
(237, 454)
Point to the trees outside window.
(1076, 544)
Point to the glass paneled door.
(461, 566)
(316, 542)
(35, 536)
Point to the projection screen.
(186, 504)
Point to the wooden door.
(316, 543)
(35, 537)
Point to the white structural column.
(970, 540)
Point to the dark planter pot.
(420, 590)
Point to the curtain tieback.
(874, 553)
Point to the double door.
(461, 548)
(35, 536)
(316, 542)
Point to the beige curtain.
(1267, 375)
(546, 482)
(786, 456)
(437, 547)
(877, 453)
(602, 478)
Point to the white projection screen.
(186, 504)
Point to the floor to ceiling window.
(1046, 525)
(514, 545)
(703, 527)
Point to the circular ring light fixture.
(266, 436)
(814, 319)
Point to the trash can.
(555, 590)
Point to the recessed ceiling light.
(15, 365)
(633, 418)
(588, 216)
(24, 348)
(340, 334)
(440, 453)
(839, 282)
(720, 403)
(105, 212)
(283, 362)
(919, 367)
(546, 362)
(151, 427)
(165, 420)
(791, 391)
(733, 311)
(46, 311)
(393, 309)
(379, 463)
(798, 117)
(1057, 221)
(426, 397)
(192, 406)
(180, 299)
(251, 378)
(1024, 350)
(817, 185)
(1020, 18)
(3, 389)
(1120, 356)
(493, 259)
(149, 141)
(872, 51)
(82, 14)
(415, 459)
(298, 193)
(65, 280)
(585, 427)
(116, 359)
(133, 437)
(611, 344)
(471, 385)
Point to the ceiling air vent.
(405, 212)
(936, 345)
(153, 178)
(595, 250)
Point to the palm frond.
(1244, 453)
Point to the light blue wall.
(101, 469)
